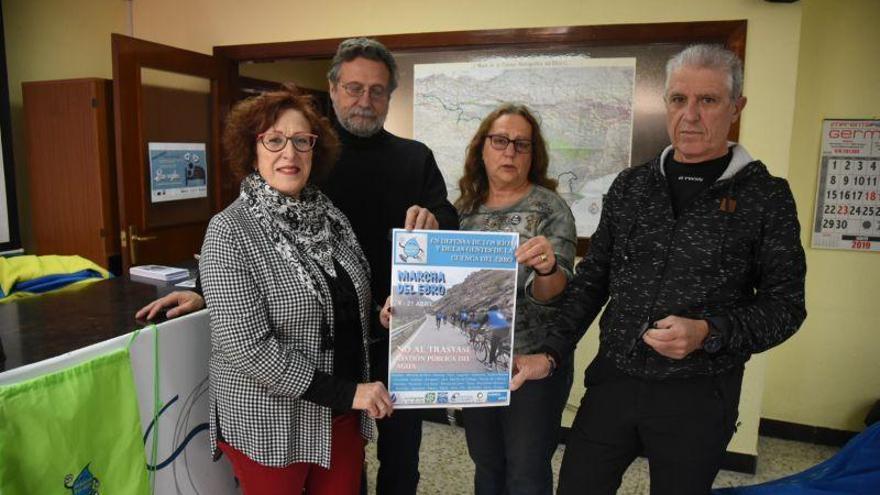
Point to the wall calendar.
(848, 190)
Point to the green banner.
(75, 431)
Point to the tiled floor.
(447, 469)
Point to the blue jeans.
(512, 446)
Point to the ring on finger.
(543, 257)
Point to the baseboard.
(804, 433)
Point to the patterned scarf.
(306, 231)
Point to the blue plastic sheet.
(855, 470)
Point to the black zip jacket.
(733, 256)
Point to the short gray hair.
(714, 57)
(367, 48)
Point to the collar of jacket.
(740, 159)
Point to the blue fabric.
(31, 275)
(855, 470)
(52, 282)
(497, 320)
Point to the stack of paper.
(159, 272)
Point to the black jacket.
(374, 182)
(743, 269)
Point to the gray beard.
(362, 128)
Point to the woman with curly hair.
(287, 288)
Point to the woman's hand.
(538, 254)
(374, 399)
(181, 302)
(385, 314)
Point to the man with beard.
(380, 182)
(377, 182)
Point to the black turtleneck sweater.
(375, 181)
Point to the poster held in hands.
(451, 335)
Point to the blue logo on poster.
(412, 248)
(496, 396)
(442, 398)
(393, 398)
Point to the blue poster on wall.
(178, 171)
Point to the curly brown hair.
(474, 184)
(252, 116)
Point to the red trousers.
(343, 477)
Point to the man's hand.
(181, 302)
(528, 367)
(374, 399)
(676, 337)
(420, 218)
(385, 314)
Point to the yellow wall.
(829, 374)
(805, 377)
(54, 39)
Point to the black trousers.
(400, 437)
(512, 446)
(681, 426)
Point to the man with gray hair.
(699, 259)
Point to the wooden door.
(69, 140)
(168, 107)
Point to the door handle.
(132, 237)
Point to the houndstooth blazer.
(266, 344)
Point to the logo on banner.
(430, 397)
(84, 484)
(412, 248)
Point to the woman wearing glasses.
(505, 187)
(287, 288)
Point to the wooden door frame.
(731, 34)
(130, 55)
(133, 54)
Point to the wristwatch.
(714, 340)
(552, 363)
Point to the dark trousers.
(681, 426)
(400, 437)
(512, 446)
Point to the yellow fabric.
(20, 268)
